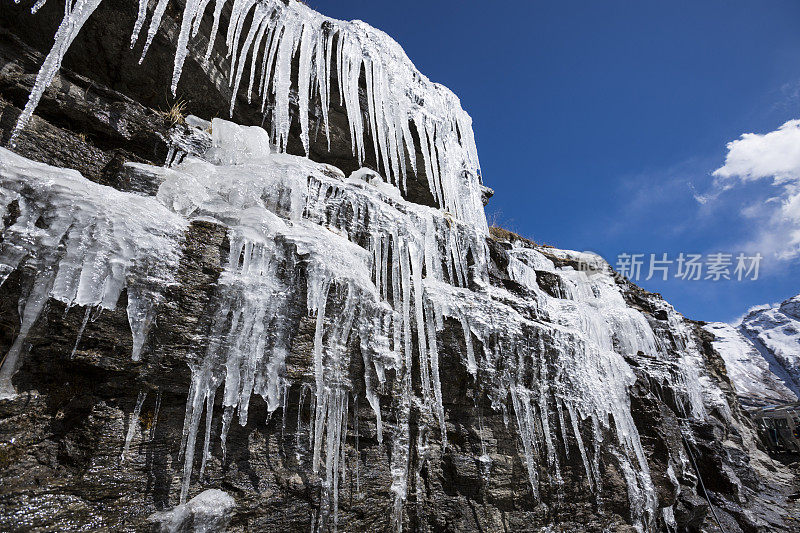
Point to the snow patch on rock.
(208, 512)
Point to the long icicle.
(77, 14)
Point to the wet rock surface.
(62, 437)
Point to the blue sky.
(599, 124)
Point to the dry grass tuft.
(177, 113)
(501, 234)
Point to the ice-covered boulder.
(208, 512)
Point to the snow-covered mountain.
(762, 353)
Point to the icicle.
(80, 332)
(320, 414)
(562, 425)
(282, 81)
(207, 440)
(284, 408)
(137, 27)
(484, 460)
(37, 6)
(369, 69)
(133, 423)
(312, 424)
(307, 39)
(190, 12)
(399, 462)
(198, 18)
(186, 418)
(303, 391)
(415, 263)
(596, 447)
(237, 67)
(141, 314)
(356, 431)
(227, 416)
(472, 366)
(527, 433)
(544, 418)
(372, 398)
(218, 5)
(339, 458)
(265, 30)
(577, 433)
(33, 306)
(433, 358)
(195, 402)
(155, 22)
(78, 12)
(319, 307)
(156, 410)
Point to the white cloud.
(773, 156)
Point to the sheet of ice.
(582, 371)
(85, 243)
(369, 269)
(590, 329)
(362, 252)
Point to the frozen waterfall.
(377, 272)
(378, 277)
(330, 53)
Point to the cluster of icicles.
(398, 96)
(379, 276)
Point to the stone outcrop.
(62, 437)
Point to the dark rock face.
(61, 438)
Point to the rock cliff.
(336, 341)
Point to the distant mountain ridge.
(762, 353)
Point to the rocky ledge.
(92, 439)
